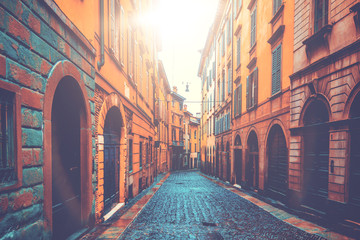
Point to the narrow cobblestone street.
(189, 206)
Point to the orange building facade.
(77, 101)
(254, 59)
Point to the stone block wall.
(35, 36)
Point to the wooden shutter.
(278, 70)
(112, 25)
(255, 79)
(274, 67)
(239, 100)
(253, 28)
(235, 101)
(247, 92)
(238, 51)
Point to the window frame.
(252, 89)
(15, 90)
(253, 17)
(276, 70)
(324, 18)
(276, 5)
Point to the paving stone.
(189, 206)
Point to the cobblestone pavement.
(189, 206)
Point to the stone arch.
(308, 103)
(277, 161)
(273, 122)
(252, 159)
(349, 101)
(67, 70)
(110, 102)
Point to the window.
(116, 33)
(237, 5)
(253, 28)
(8, 173)
(276, 70)
(122, 35)
(140, 154)
(229, 32)
(229, 79)
(251, 89)
(276, 5)
(219, 91)
(130, 155)
(238, 42)
(173, 135)
(130, 53)
(195, 134)
(223, 86)
(320, 14)
(151, 153)
(195, 147)
(140, 75)
(147, 153)
(222, 45)
(237, 100)
(189, 133)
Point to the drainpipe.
(102, 58)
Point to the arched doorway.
(238, 159)
(354, 178)
(67, 116)
(228, 162)
(252, 168)
(316, 155)
(277, 183)
(112, 133)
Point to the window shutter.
(253, 28)
(239, 99)
(247, 92)
(112, 24)
(255, 79)
(274, 68)
(235, 101)
(278, 70)
(238, 51)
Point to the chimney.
(175, 89)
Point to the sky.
(184, 26)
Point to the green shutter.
(239, 98)
(235, 102)
(273, 77)
(247, 92)
(276, 70)
(255, 79)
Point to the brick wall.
(33, 38)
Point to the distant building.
(176, 127)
